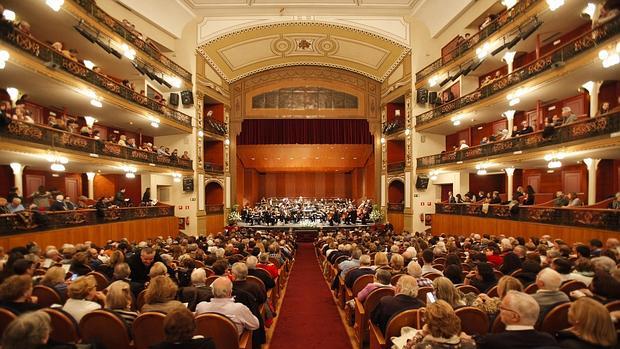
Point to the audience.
(442, 329)
(160, 295)
(405, 298)
(83, 297)
(179, 328)
(592, 327)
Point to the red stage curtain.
(302, 131)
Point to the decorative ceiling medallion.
(251, 50)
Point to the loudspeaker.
(421, 182)
(432, 97)
(187, 97)
(422, 96)
(174, 99)
(188, 184)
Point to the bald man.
(223, 303)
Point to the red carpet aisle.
(308, 316)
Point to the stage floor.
(299, 226)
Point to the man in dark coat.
(405, 299)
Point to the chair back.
(613, 306)
(219, 328)
(395, 279)
(148, 329)
(571, 286)
(105, 328)
(337, 261)
(439, 260)
(140, 300)
(64, 326)
(6, 316)
(199, 264)
(275, 261)
(361, 282)
(210, 279)
(498, 274)
(465, 267)
(373, 298)
(516, 272)
(209, 271)
(531, 289)
(492, 292)
(257, 281)
(412, 318)
(498, 325)
(102, 280)
(46, 295)
(438, 266)
(39, 272)
(468, 289)
(556, 319)
(432, 276)
(422, 291)
(473, 320)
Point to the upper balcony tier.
(589, 129)
(553, 75)
(50, 61)
(505, 22)
(43, 137)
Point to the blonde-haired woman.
(55, 279)
(442, 329)
(160, 295)
(490, 305)
(381, 261)
(118, 299)
(592, 326)
(158, 269)
(83, 297)
(445, 290)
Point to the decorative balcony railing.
(26, 221)
(556, 58)
(395, 125)
(215, 168)
(466, 46)
(583, 129)
(57, 139)
(48, 55)
(396, 166)
(580, 217)
(395, 207)
(215, 126)
(105, 19)
(214, 209)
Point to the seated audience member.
(511, 263)
(529, 271)
(482, 277)
(365, 268)
(445, 290)
(560, 200)
(349, 264)
(414, 269)
(16, 205)
(381, 261)
(83, 297)
(529, 196)
(592, 326)
(563, 266)
(568, 116)
(519, 312)
(262, 274)
(160, 295)
(158, 269)
(463, 144)
(55, 279)
(525, 128)
(118, 299)
(397, 263)
(107, 268)
(185, 155)
(59, 204)
(549, 128)
(574, 200)
(490, 305)
(615, 204)
(454, 273)
(382, 279)
(223, 303)
(16, 294)
(495, 198)
(79, 264)
(442, 329)
(406, 298)
(179, 328)
(4, 208)
(198, 291)
(549, 294)
(583, 271)
(264, 263)
(427, 257)
(30, 331)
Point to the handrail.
(395, 125)
(606, 219)
(215, 126)
(48, 54)
(105, 19)
(502, 20)
(398, 166)
(217, 208)
(395, 207)
(552, 59)
(213, 167)
(582, 129)
(26, 221)
(54, 138)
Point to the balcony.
(215, 126)
(537, 68)
(214, 168)
(394, 126)
(579, 217)
(48, 56)
(395, 207)
(214, 209)
(465, 47)
(56, 139)
(396, 166)
(91, 8)
(582, 130)
(27, 221)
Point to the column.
(510, 171)
(510, 117)
(91, 184)
(18, 170)
(593, 88)
(509, 57)
(592, 165)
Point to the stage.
(303, 231)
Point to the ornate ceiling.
(247, 51)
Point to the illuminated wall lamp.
(610, 59)
(57, 167)
(96, 103)
(8, 15)
(90, 121)
(554, 164)
(509, 3)
(588, 11)
(555, 4)
(130, 175)
(55, 4)
(481, 172)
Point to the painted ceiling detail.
(247, 51)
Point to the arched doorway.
(396, 204)
(214, 197)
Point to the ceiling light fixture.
(509, 3)
(588, 11)
(13, 93)
(89, 64)
(555, 4)
(55, 4)
(96, 103)
(8, 15)
(90, 121)
(128, 52)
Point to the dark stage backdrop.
(302, 131)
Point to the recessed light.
(152, 164)
(252, 159)
(93, 155)
(316, 158)
(459, 162)
(354, 158)
(518, 152)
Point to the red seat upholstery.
(64, 327)
(105, 328)
(473, 320)
(362, 312)
(412, 318)
(46, 296)
(556, 319)
(571, 286)
(6, 316)
(102, 280)
(222, 331)
(148, 329)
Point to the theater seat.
(422, 291)
(46, 296)
(571, 286)
(473, 320)
(412, 318)
(359, 285)
(105, 328)
(492, 292)
(432, 276)
(210, 279)
(148, 329)
(363, 311)
(531, 289)
(102, 280)
(140, 300)
(556, 319)
(6, 316)
(498, 325)
(222, 331)
(395, 279)
(468, 289)
(64, 326)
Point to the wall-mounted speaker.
(432, 97)
(422, 96)
(174, 99)
(187, 97)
